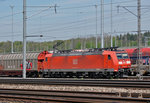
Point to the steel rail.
(86, 82)
(65, 96)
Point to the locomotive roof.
(75, 53)
(87, 50)
(94, 51)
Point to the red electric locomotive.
(144, 55)
(144, 60)
(93, 63)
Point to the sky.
(72, 19)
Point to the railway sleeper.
(135, 95)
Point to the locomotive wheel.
(40, 75)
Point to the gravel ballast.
(75, 88)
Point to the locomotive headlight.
(120, 62)
(128, 62)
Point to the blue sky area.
(74, 18)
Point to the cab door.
(107, 61)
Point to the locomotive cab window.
(122, 56)
(125, 55)
(46, 59)
(109, 57)
(119, 56)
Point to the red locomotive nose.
(124, 63)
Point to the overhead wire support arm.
(126, 9)
(43, 6)
(47, 8)
(130, 11)
(34, 36)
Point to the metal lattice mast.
(12, 44)
(139, 34)
(24, 38)
(102, 23)
(96, 25)
(111, 26)
(138, 15)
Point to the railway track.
(66, 96)
(80, 82)
(77, 96)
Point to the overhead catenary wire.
(97, 4)
(71, 7)
(67, 8)
(39, 12)
(77, 23)
(69, 26)
(74, 22)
